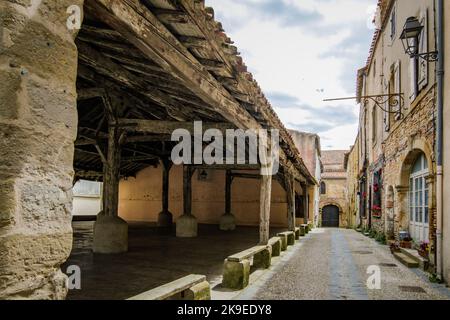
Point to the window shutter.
(398, 81)
(412, 79)
(386, 114)
(423, 48)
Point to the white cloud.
(309, 49)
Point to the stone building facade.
(396, 176)
(446, 148)
(333, 183)
(308, 145)
(352, 188)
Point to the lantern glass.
(411, 35)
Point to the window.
(376, 191)
(374, 124)
(419, 67)
(374, 68)
(84, 188)
(393, 88)
(363, 197)
(418, 200)
(323, 188)
(393, 22)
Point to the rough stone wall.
(352, 185)
(446, 163)
(38, 123)
(418, 125)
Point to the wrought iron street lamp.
(411, 36)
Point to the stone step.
(414, 255)
(406, 260)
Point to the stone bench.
(305, 227)
(236, 270)
(191, 287)
(287, 239)
(297, 233)
(302, 231)
(275, 243)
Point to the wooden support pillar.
(187, 223)
(187, 190)
(228, 221)
(165, 217)
(305, 203)
(111, 174)
(290, 197)
(264, 208)
(228, 181)
(110, 231)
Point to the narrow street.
(332, 264)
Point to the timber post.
(110, 231)
(165, 218)
(227, 221)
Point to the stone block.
(276, 247)
(284, 242)
(262, 259)
(110, 235)
(302, 231)
(297, 233)
(186, 226)
(290, 238)
(236, 274)
(201, 291)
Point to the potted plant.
(394, 247)
(424, 249)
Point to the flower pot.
(406, 244)
(423, 254)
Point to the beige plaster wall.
(140, 198)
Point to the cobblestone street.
(332, 264)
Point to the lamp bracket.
(395, 102)
(427, 56)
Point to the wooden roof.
(165, 60)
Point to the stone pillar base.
(110, 235)
(165, 219)
(236, 274)
(186, 226)
(227, 222)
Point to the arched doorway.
(418, 200)
(330, 216)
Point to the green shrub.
(381, 238)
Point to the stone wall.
(336, 195)
(446, 154)
(38, 124)
(352, 185)
(416, 133)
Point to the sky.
(301, 52)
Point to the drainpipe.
(439, 135)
